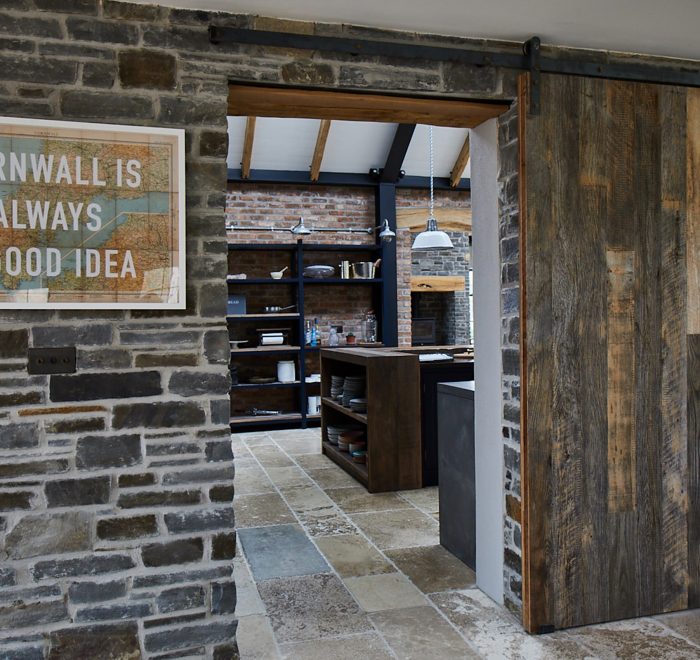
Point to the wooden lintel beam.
(437, 283)
(249, 100)
(448, 219)
(320, 148)
(460, 163)
(248, 147)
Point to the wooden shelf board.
(342, 458)
(257, 386)
(264, 280)
(265, 419)
(328, 402)
(339, 280)
(265, 349)
(322, 247)
(262, 317)
(254, 247)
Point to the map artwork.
(91, 216)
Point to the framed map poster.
(91, 216)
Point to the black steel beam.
(291, 177)
(575, 62)
(397, 152)
(385, 209)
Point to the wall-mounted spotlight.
(300, 229)
(386, 234)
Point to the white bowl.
(277, 275)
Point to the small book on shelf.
(236, 305)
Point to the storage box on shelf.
(308, 299)
(392, 420)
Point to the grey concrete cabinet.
(456, 467)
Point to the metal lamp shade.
(432, 238)
(386, 234)
(300, 228)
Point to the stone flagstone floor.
(326, 571)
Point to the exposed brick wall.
(336, 207)
(330, 207)
(509, 229)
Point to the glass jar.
(370, 327)
(333, 339)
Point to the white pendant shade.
(432, 238)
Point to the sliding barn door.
(610, 202)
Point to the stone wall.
(116, 523)
(508, 205)
(451, 309)
(115, 484)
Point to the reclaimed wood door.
(610, 304)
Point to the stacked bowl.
(353, 388)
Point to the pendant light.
(432, 238)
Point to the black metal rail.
(570, 62)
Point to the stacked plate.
(337, 387)
(358, 405)
(334, 432)
(353, 388)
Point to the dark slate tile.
(280, 551)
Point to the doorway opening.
(264, 204)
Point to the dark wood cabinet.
(392, 421)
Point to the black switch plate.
(52, 360)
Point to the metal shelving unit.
(385, 289)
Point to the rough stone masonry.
(116, 519)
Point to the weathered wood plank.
(570, 372)
(694, 470)
(693, 222)
(593, 203)
(647, 211)
(437, 283)
(619, 146)
(621, 381)
(674, 396)
(537, 239)
(618, 142)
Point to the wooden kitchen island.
(397, 449)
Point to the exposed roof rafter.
(397, 153)
(320, 148)
(248, 147)
(460, 163)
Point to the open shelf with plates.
(392, 420)
(257, 291)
